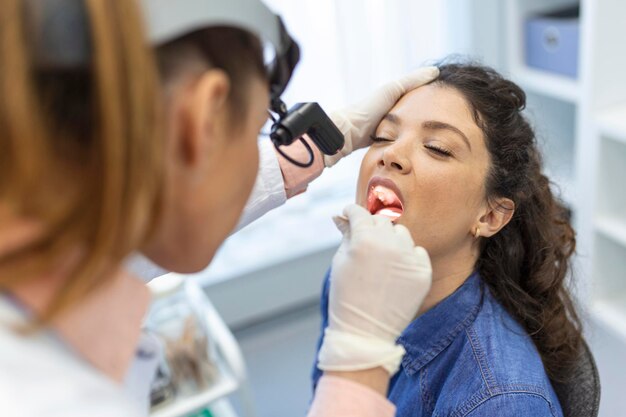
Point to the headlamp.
(169, 19)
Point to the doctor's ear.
(204, 113)
(497, 214)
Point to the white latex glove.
(378, 281)
(358, 123)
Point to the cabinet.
(581, 124)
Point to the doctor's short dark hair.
(527, 264)
(235, 51)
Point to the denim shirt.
(466, 356)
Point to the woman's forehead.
(436, 102)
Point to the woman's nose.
(395, 158)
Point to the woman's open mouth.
(384, 198)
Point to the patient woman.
(457, 163)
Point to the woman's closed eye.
(378, 139)
(439, 150)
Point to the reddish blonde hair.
(81, 150)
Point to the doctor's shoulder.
(40, 376)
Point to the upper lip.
(387, 183)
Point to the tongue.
(384, 202)
(391, 212)
(385, 196)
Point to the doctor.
(108, 148)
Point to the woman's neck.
(449, 272)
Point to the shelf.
(612, 228)
(548, 84)
(611, 123)
(611, 314)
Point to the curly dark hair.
(526, 264)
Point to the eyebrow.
(436, 125)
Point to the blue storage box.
(551, 41)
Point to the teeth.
(393, 215)
(385, 195)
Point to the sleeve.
(269, 189)
(316, 373)
(339, 397)
(515, 404)
(278, 179)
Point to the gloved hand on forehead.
(357, 123)
(378, 281)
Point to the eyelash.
(378, 139)
(436, 149)
(441, 151)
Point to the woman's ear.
(498, 213)
(204, 111)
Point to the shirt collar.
(433, 331)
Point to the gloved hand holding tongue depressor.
(378, 281)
